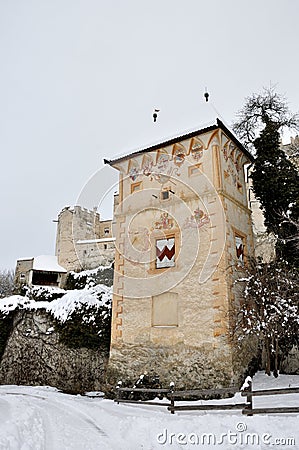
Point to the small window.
(195, 170)
(22, 276)
(106, 230)
(239, 242)
(135, 187)
(105, 246)
(164, 195)
(165, 253)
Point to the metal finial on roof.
(155, 114)
(206, 95)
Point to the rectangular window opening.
(164, 195)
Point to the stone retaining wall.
(33, 356)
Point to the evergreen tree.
(276, 186)
(275, 178)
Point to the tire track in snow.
(65, 409)
(84, 416)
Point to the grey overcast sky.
(79, 80)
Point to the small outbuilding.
(41, 270)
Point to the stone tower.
(83, 241)
(183, 235)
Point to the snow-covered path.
(41, 418)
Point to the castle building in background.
(183, 236)
(292, 150)
(39, 271)
(83, 241)
(264, 243)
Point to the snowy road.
(41, 418)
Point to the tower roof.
(187, 135)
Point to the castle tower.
(83, 241)
(183, 235)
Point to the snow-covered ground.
(41, 418)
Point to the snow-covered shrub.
(82, 316)
(100, 275)
(84, 320)
(270, 309)
(42, 293)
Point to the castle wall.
(34, 356)
(264, 243)
(22, 272)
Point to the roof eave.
(235, 140)
(219, 124)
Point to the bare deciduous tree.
(260, 109)
(6, 283)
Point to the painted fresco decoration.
(197, 220)
(166, 166)
(140, 239)
(147, 165)
(232, 156)
(163, 169)
(233, 174)
(237, 164)
(225, 152)
(164, 223)
(133, 173)
(179, 155)
(162, 179)
(179, 159)
(165, 253)
(163, 162)
(197, 151)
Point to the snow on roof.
(166, 140)
(47, 263)
(217, 123)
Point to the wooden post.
(249, 398)
(117, 392)
(171, 389)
